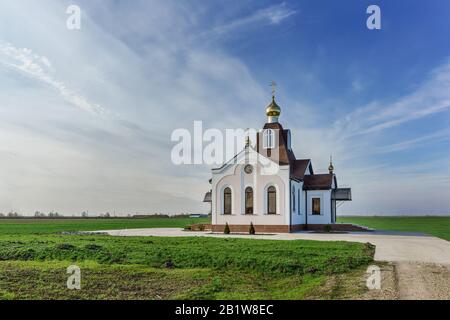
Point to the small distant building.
(198, 215)
(294, 197)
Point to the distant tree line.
(10, 215)
(85, 214)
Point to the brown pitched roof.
(299, 167)
(318, 181)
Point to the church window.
(271, 200)
(293, 199)
(316, 206)
(227, 201)
(268, 139)
(248, 200)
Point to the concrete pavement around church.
(390, 246)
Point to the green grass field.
(34, 256)
(47, 280)
(436, 226)
(42, 226)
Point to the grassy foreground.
(47, 280)
(436, 226)
(34, 267)
(34, 256)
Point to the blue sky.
(86, 115)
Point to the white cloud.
(431, 97)
(272, 15)
(78, 161)
(39, 67)
(441, 135)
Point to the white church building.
(266, 185)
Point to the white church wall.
(235, 178)
(325, 207)
(298, 216)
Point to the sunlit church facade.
(266, 185)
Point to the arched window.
(248, 200)
(268, 139)
(293, 199)
(227, 201)
(271, 200)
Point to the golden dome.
(331, 167)
(273, 110)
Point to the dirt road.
(422, 281)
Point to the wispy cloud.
(40, 68)
(441, 135)
(272, 15)
(431, 97)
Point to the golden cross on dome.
(273, 84)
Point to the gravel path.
(422, 281)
